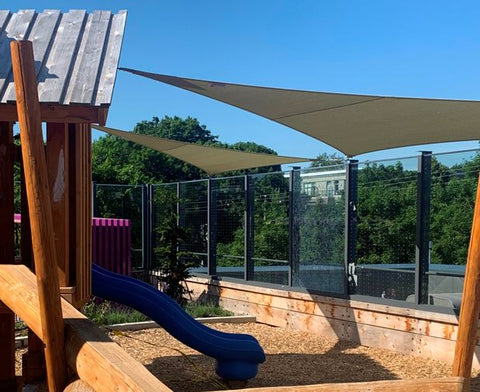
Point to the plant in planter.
(174, 263)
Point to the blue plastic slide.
(237, 355)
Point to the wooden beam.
(78, 386)
(97, 360)
(40, 212)
(61, 113)
(470, 307)
(7, 252)
(450, 384)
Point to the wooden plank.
(60, 113)
(4, 41)
(97, 360)
(58, 67)
(58, 158)
(450, 384)
(79, 208)
(469, 310)
(86, 70)
(407, 312)
(4, 18)
(41, 35)
(109, 69)
(339, 312)
(17, 28)
(87, 283)
(40, 212)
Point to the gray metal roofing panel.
(76, 54)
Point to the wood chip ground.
(293, 358)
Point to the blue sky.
(402, 48)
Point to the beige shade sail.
(212, 160)
(353, 124)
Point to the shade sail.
(353, 124)
(212, 160)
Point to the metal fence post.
(351, 188)
(249, 228)
(212, 226)
(146, 232)
(94, 199)
(293, 226)
(151, 224)
(180, 210)
(422, 249)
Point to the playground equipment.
(237, 355)
(57, 183)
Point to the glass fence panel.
(454, 183)
(229, 206)
(193, 216)
(386, 228)
(320, 215)
(270, 254)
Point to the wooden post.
(7, 321)
(40, 212)
(469, 311)
(58, 157)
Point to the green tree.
(386, 214)
(453, 201)
(174, 264)
(325, 159)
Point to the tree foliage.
(174, 264)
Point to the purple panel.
(112, 244)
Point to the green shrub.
(107, 313)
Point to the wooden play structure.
(65, 347)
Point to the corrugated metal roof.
(76, 54)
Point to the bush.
(107, 313)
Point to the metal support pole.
(212, 227)
(151, 225)
(293, 227)
(94, 199)
(424, 185)
(249, 228)
(146, 245)
(180, 212)
(351, 188)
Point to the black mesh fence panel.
(454, 183)
(164, 213)
(193, 217)
(230, 211)
(289, 227)
(270, 254)
(386, 220)
(320, 214)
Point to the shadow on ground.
(475, 386)
(196, 372)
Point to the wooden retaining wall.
(406, 331)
